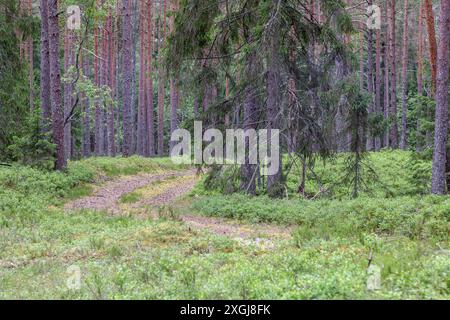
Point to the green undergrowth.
(397, 173)
(387, 174)
(413, 217)
(126, 257)
(27, 193)
(129, 258)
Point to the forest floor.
(148, 195)
(135, 228)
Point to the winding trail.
(106, 197)
(159, 190)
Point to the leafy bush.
(413, 217)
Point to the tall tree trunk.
(55, 84)
(149, 110)
(378, 77)
(68, 55)
(104, 71)
(420, 52)
(404, 137)
(161, 83)
(117, 72)
(441, 122)
(393, 134)
(274, 99)
(173, 107)
(98, 112)
(86, 149)
(386, 77)
(112, 85)
(30, 60)
(431, 41)
(370, 145)
(173, 82)
(127, 45)
(46, 107)
(134, 94)
(420, 47)
(141, 119)
(250, 119)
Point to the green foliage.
(26, 193)
(421, 111)
(223, 179)
(414, 217)
(131, 197)
(134, 258)
(393, 176)
(32, 147)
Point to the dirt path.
(107, 198)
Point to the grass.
(126, 257)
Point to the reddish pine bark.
(370, 145)
(112, 86)
(150, 150)
(386, 77)
(432, 42)
(86, 148)
(440, 157)
(403, 141)
(161, 84)
(173, 83)
(378, 78)
(393, 134)
(420, 52)
(46, 111)
(68, 40)
(127, 45)
(141, 118)
(30, 59)
(98, 112)
(55, 85)
(104, 65)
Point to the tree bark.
(46, 108)
(378, 77)
(404, 136)
(30, 59)
(86, 149)
(141, 119)
(386, 78)
(127, 45)
(55, 84)
(420, 52)
(68, 62)
(441, 122)
(393, 134)
(98, 112)
(112, 86)
(173, 82)
(149, 110)
(432, 42)
(274, 97)
(161, 83)
(370, 145)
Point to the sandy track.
(106, 198)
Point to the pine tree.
(441, 122)
(55, 84)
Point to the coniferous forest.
(350, 96)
